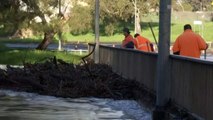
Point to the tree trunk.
(138, 26)
(48, 38)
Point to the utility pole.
(163, 65)
(97, 12)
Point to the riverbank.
(60, 79)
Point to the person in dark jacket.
(128, 40)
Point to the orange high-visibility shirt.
(127, 39)
(142, 43)
(189, 44)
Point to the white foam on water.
(25, 106)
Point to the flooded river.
(28, 106)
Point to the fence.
(191, 83)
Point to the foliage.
(199, 5)
(18, 14)
(77, 16)
(179, 5)
(11, 16)
(120, 13)
(81, 19)
(109, 29)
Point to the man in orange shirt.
(142, 43)
(189, 44)
(127, 42)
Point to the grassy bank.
(176, 29)
(18, 56)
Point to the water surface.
(27, 106)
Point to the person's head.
(136, 35)
(187, 26)
(126, 31)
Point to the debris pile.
(58, 78)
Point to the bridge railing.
(191, 83)
(131, 64)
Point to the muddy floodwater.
(28, 106)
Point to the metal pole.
(163, 65)
(153, 34)
(97, 11)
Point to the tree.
(13, 17)
(49, 17)
(81, 19)
(121, 11)
(199, 5)
(113, 14)
(39, 15)
(143, 7)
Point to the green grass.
(178, 19)
(24, 40)
(177, 24)
(88, 38)
(18, 56)
(176, 29)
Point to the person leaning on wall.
(189, 43)
(128, 39)
(142, 43)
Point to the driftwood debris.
(58, 78)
